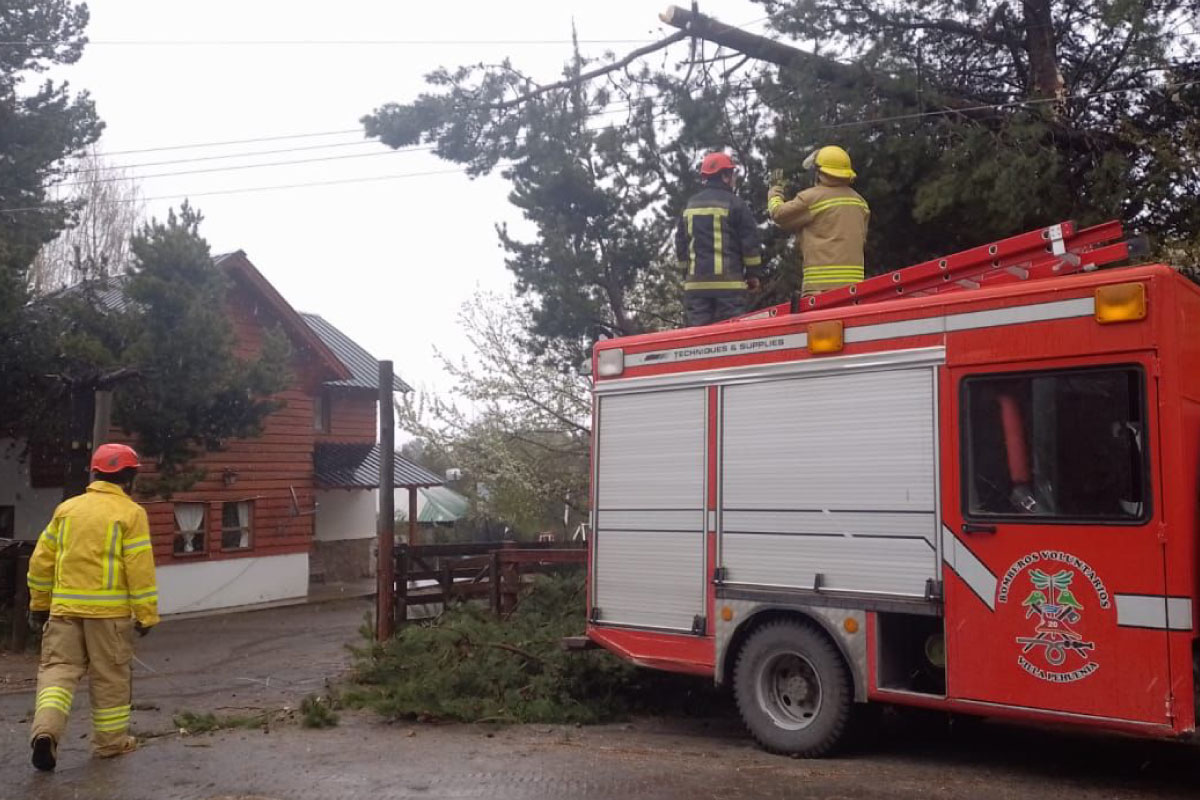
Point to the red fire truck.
(970, 485)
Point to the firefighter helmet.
(832, 160)
(110, 458)
(715, 163)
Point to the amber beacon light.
(1121, 302)
(825, 337)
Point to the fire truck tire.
(793, 689)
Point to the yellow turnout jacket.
(95, 560)
(830, 222)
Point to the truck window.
(1064, 446)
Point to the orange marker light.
(850, 624)
(825, 337)
(1121, 302)
(726, 613)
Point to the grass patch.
(316, 711)
(469, 666)
(190, 722)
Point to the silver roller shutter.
(649, 539)
(832, 475)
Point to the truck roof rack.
(1048, 252)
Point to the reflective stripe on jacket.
(95, 559)
(830, 221)
(717, 242)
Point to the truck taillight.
(610, 363)
(1121, 302)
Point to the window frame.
(322, 419)
(965, 448)
(249, 528)
(203, 533)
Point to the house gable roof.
(363, 365)
(237, 264)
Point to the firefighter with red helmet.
(91, 586)
(717, 244)
(829, 220)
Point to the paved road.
(274, 658)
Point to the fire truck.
(969, 486)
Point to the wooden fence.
(436, 574)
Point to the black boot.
(45, 756)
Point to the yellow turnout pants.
(103, 648)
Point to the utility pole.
(385, 606)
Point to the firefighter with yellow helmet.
(91, 586)
(829, 220)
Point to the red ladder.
(1049, 252)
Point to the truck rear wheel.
(793, 689)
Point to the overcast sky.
(389, 262)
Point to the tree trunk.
(1045, 79)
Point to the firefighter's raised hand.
(776, 196)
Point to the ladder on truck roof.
(1049, 252)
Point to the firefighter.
(829, 219)
(91, 585)
(717, 244)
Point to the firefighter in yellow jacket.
(91, 585)
(829, 220)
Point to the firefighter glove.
(775, 197)
(141, 629)
(38, 620)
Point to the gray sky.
(389, 262)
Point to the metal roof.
(361, 363)
(442, 504)
(356, 466)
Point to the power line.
(833, 126)
(237, 167)
(314, 42)
(246, 190)
(612, 108)
(194, 159)
(229, 142)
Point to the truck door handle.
(971, 527)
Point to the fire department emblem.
(1054, 646)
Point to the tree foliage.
(518, 428)
(41, 125)
(997, 118)
(194, 392)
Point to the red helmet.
(110, 458)
(714, 163)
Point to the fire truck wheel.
(793, 689)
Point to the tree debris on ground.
(468, 665)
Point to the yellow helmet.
(832, 160)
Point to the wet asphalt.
(243, 663)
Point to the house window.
(189, 529)
(320, 413)
(235, 525)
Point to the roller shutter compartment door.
(830, 482)
(649, 538)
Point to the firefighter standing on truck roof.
(830, 221)
(716, 242)
(91, 585)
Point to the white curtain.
(189, 518)
(244, 523)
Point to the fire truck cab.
(982, 501)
